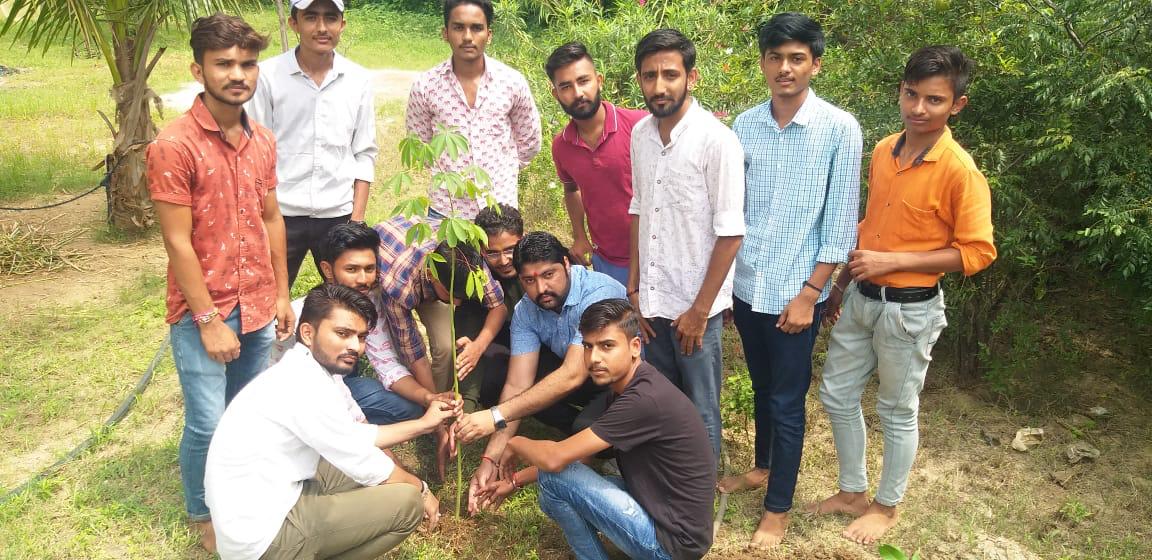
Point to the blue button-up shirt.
(801, 199)
(533, 326)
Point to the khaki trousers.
(336, 517)
(437, 319)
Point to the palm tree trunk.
(129, 206)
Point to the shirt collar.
(693, 112)
(339, 64)
(575, 286)
(204, 118)
(611, 125)
(931, 153)
(802, 117)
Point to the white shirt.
(325, 135)
(269, 440)
(685, 195)
(281, 347)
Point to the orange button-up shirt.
(191, 164)
(938, 201)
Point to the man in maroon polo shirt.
(592, 157)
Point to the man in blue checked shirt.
(802, 192)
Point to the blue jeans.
(583, 503)
(617, 272)
(780, 365)
(697, 374)
(381, 406)
(208, 387)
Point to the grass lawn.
(64, 367)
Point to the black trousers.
(306, 234)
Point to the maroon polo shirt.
(604, 177)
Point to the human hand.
(468, 354)
(220, 341)
(582, 250)
(472, 427)
(864, 265)
(485, 474)
(431, 511)
(646, 331)
(446, 396)
(832, 306)
(797, 315)
(690, 326)
(442, 413)
(496, 493)
(285, 319)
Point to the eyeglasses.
(494, 256)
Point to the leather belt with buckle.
(897, 295)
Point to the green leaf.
(889, 552)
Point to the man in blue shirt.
(802, 192)
(547, 317)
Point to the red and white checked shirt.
(503, 129)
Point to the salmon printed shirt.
(191, 164)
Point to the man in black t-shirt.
(662, 508)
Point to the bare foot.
(771, 530)
(755, 478)
(868, 528)
(851, 503)
(207, 535)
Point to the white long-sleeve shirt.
(325, 135)
(270, 440)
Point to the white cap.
(303, 4)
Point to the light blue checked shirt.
(801, 199)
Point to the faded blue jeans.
(380, 406)
(895, 340)
(619, 273)
(583, 503)
(208, 387)
(696, 374)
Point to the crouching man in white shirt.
(291, 475)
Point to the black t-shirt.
(666, 459)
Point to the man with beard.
(547, 318)
(688, 175)
(348, 258)
(593, 160)
(290, 475)
(212, 177)
(319, 104)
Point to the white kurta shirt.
(270, 440)
(325, 135)
(685, 195)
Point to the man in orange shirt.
(929, 212)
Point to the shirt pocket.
(920, 226)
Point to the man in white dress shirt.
(290, 474)
(688, 197)
(319, 105)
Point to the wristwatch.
(498, 419)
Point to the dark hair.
(605, 313)
(466, 260)
(666, 40)
(940, 60)
(539, 246)
(219, 31)
(791, 26)
(322, 299)
(346, 237)
(564, 55)
(485, 5)
(501, 218)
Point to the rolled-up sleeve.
(842, 206)
(382, 357)
(725, 177)
(972, 207)
(323, 424)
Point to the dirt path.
(106, 267)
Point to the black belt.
(897, 295)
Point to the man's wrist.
(498, 420)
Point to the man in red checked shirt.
(212, 177)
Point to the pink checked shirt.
(503, 129)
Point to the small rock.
(1027, 438)
(1080, 451)
(1099, 412)
(991, 439)
(1064, 477)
